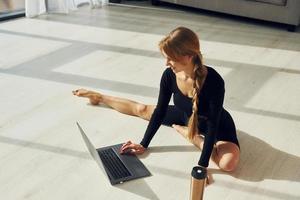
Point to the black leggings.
(226, 131)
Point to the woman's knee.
(144, 111)
(228, 164)
(228, 156)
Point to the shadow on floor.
(139, 187)
(44, 147)
(260, 161)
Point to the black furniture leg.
(114, 1)
(155, 2)
(291, 28)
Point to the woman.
(197, 113)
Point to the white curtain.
(37, 7)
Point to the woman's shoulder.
(169, 71)
(214, 83)
(213, 76)
(168, 74)
(167, 78)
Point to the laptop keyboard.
(113, 164)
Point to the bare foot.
(183, 130)
(95, 98)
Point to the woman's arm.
(215, 109)
(159, 113)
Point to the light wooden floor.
(114, 50)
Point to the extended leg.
(122, 105)
(129, 107)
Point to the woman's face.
(179, 65)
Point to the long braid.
(184, 42)
(200, 73)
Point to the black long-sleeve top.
(210, 108)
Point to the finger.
(209, 179)
(129, 149)
(125, 144)
(126, 148)
(123, 149)
(126, 151)
(207, 182)
(130, 146)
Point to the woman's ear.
(187, 58)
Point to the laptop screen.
(91, 148)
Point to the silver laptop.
(118, 167)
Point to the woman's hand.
(132, 148)
(209, 178)
(94, 97)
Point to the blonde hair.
(184, 42)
